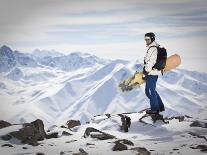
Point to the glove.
(145, 73)
(144, 77)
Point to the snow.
(162, 138)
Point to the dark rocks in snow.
(66, 133)
(202, 148)
(119, 146)
(197, 135)
(4, 124)
(6, 137)
(39, 153)
(141, 150)
(31, 132)
(154, 117)
(52, 135)
(179, 118)
(62, 126)
(198, 124)
(9, 145)
(73, 123)
(65, 152)
(108, 115)
(126, 122)
(94, 133)
(125, 141)
(70, 141)
(89, 144)
(82, 152)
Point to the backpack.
(161, 58)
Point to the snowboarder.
(150, 75)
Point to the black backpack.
(161, 58)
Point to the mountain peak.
(4, 47)
(37, 53)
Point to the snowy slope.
(90, 88)
(175, 137)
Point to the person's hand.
(144, 77)
(145, 72)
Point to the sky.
(109, 29)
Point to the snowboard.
(136, 80)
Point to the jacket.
(150, 59)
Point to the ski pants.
(150, 91)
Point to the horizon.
(110, 29)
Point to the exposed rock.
(125, 141)
(9, 145)
(141, 150)
(65, 152)
(52, 135)
(198, 124)
(73, 123)
(197, 135)
(126, 122)
(119, 146)
(94, 133)
(24, 147)
(70, 141)
(39, 153)
(31, 132)
(61, 153)
(4, 124)
(66, 133)
(89, 144)
(202, 148)
(180, 118)
(62, 126)
(154, 117)
(108, 115)
(82, 152)
(6, 137)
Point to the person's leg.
(147, 89)
(161, 105)
(151, 85)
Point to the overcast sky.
(109, 29)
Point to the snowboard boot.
(156, 112)
(162, 109)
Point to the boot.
(162, 109)
(152, 111)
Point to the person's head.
(149, 37)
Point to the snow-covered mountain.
(79, 86)
(38, 54)
(9, 59)
(42, 58)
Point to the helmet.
(151, 35)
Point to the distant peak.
(6, 48)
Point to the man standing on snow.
(150, 75)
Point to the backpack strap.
(156, 47)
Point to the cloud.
(110, 28)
